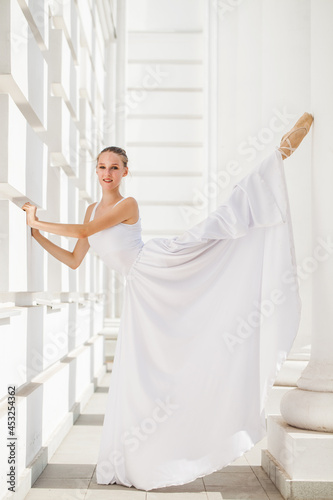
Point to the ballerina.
(117, 160)
(208, 319)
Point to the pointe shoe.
(292, 139)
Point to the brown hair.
(118, 151)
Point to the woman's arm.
(112, 217)
(71, 259)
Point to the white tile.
(177, 495)
(96, 405)
(76, 457)
(56, 494)
(214, 495)
(224, 478)
(115, 493)
(253, 456)
(236, 485)
(196, 487)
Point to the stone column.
(120, 132)
(310, 406)
(300, 444)
(211, 100)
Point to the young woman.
(208, 319)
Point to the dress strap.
(119, 201)
(96, 205)
(93, 211)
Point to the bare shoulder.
(132, 209)
(132, 204)
(131, 201)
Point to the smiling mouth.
(107, 180)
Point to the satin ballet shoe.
(292, 139)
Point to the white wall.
(165, 110)
(55, 84)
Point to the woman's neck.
(109, 199)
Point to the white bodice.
(118, 246)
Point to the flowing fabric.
(208, 319)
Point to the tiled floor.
(70, 474)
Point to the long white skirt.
(209, 317)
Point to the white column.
(109, 138)
(300, 445)
(211, 93)
(121, 55)
(120, 132)
(311, 405)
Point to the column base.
(291, 489)
(307, 409)
(298, 462)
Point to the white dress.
(208, 319)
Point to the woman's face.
(110, 170)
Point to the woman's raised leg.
(292, 139)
